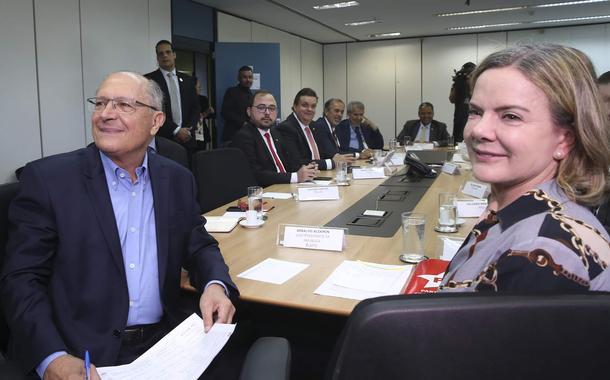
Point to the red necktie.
(278, 163)
(312, 143)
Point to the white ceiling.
(412, 18)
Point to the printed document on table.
(360, 280)
(273, 271)
(183, 354)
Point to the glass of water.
(447, 213)
(413, 228)
(255, 200)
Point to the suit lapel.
(159, 180)
(97, 189)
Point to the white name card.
(367, 173)
(475, 189)
(421, 146)
(471, 208)
(326, 239)
(318, 193)
(450, 168)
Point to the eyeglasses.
(263, 108)
(122, 105)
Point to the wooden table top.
(243, 248)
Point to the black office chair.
(476, 336)
(222, 175)
(8, 370)
(172, 150)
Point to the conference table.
(242, 248)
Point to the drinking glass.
(392, 144)
(255, 200)
(413, 228)
(447, 213)
(341, 173)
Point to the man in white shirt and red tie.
(262, 145)
(297, 131)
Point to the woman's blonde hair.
(568, 79)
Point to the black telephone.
(416, 167)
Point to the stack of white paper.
(368, 173)
(360, 280)
(273, 271)
(273, 195)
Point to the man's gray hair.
(152, 89)
(355, 104)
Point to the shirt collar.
(299, 121)
(525, 206)
(425, 126)
(113, 171)
(165, 72)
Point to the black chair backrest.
(222, 175)
(476, 336)
(172, 150)
(7, 193)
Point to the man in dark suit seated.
(324, 132)
(264, 148)
(181, 105)
(97, 241)
(297, 131)
(426, 129)
(358, 134)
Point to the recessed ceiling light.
(522, 7)
(336, 5)
(360, 23)
(377, 35)
(481, 11)
(530, 22)
(570, 19)
(484, 26)
(566, 3)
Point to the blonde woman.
(538, 134)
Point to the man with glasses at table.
(264, 146)
(98, 239)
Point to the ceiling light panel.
(336, 5)
(520, 8)
(379, 35)
(360, 23)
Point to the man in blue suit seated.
(97, 241)
(426, 129)
(324, 131)
(357, 133)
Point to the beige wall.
(59, 52)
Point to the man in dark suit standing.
(426, 129)
(324, 131)
(97, 241)
(357, 134)
(263, 146)
(235, 102)
(181, 105)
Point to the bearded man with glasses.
(97, 241)
(265, 148)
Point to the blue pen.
(87, 365)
